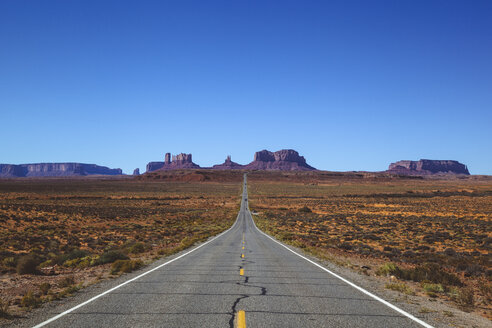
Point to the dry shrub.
(4, 309)
(72, 255)
(427, 272)
(28, 264)
(111, 256)
(305, 209)
(66, 282)
(431, 272)
(474, 270)
(486, 288)
(136, 248)
(125, 266)
(44, 288)
(432, 289)
(387, 269)
(400, 287)
(464, 296)
(9, 262)
(30, 300)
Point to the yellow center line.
(241, 272)
(241, 319)
(242, 255)
(243, 247)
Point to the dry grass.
(52, 230)
(433, 231)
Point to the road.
(242, 274)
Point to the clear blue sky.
(351, 85)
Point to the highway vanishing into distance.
(240, 278)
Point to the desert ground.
(59, 235)
(423, 236)
(427, 236)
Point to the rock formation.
(11, 170)
(228, 165)
(427, 167)
(136, 171)
(55, 170)
(180, 161)
(264, 156)
(154, 166)
(283, 160)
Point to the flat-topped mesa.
(228, 165)
(55, 170)
(427, 167)
(283, 160)
(180, 161)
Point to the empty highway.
(240, 278)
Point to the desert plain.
(427, 236)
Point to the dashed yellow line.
(243, 247)
(241, 272)
(241, 319)
(242, 255)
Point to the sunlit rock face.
(428, 166)
(55, 170)
(180, 161)
(283, 160)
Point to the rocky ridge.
(54, 170)
(282, 160)
(428, 167)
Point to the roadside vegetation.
(425, 236)
(58, 235)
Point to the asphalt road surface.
(241, 278)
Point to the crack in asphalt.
(233, 309)
(243, 296)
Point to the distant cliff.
(54, 170)
(181, 161)
(283, 160)
(428, 166)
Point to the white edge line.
(377, 298)
(128, 281)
